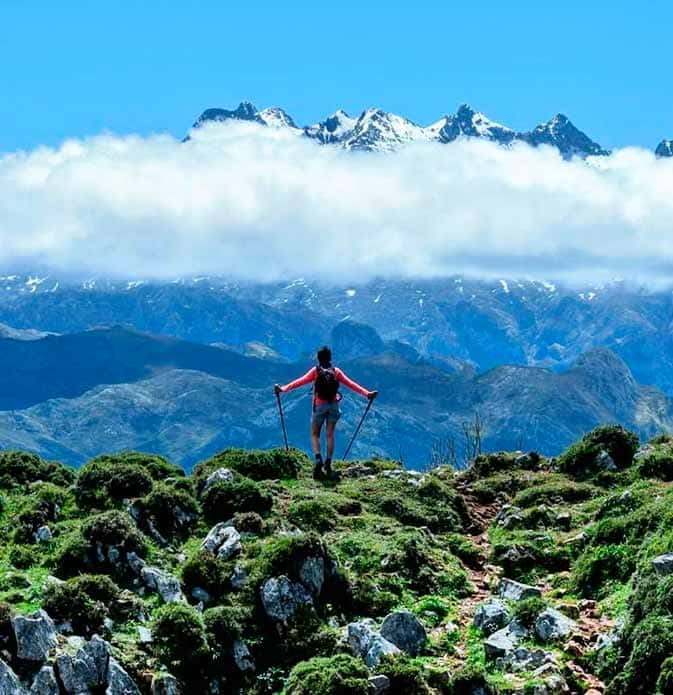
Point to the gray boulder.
(312, 574)
(35, 635)
(166, 585)
(43, 534)
(281, 598)
(523, 659)
(491, 616)
(503, 642)
(368, 644)
(165, 684)
(223, 540)
(119, 682)
(379, 684)
(135, 562)
(238, 578)
(552, 625)
(221, 475)
(87, 668)
(242, 656)
(405, 631)
(512, 590)
(663, 564)
(605, 462)
(201, 595)
(9, 681)
(45, 682)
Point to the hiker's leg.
(329, 435)
(315, 437)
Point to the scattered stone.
(44, 683)
(165, 684)
(145, 635)
(491, 616)
(43, 534)
(509, 517)
(238, 578)
(357, 470)
(87, 669)
(379, 684)
(563, 521)
(134, 562)
(405, 631)
(119, 682)
(663, 564)
(643, 452)
(503, 642)
(604, 461)
(512, 590)
(523, 659)
(578, 539)
(528, 461)
(312, 574)
(242, 656)
(552, 625)
(35, 635)
(221, 475)
(201, 595)
(281, 597)
(166, 585)
(9, 681)
(223, 540)
(367, 643)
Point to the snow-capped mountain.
(469, 123)
(333, 129)
(381, 131)
(561, 133)
(664, 149)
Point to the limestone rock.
(165, 684)
(503, 642)
(312, 574)
(223, 540)
(119, 682)
(491, 616)
(221, 475)
(405, 631)
(166, 585)
(663, 564)
(45, 682)
(35, 635)
(9, 681)
(281, 597)
(552, 625)
(516, 591)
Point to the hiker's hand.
(372, 395)
(277, 389)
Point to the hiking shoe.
(318, 473)
(330, 473)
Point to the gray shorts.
(326, 412)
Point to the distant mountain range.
(72, 397)
(381, 131)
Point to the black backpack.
(326, 384)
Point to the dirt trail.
(485, 578)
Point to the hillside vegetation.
(518, 575)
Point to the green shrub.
(203, 569)
(313, 515)
(172, 511)
(72, 602)
(21, 556)
(485, 465)
(157, 467)
(665, 681)
(579, 460)
(222, 500)
(555, 492)
(255, 464)
(598, 568)
(19, 468)
(180, 640)
(114, 529)
(528, 555)
(652, 645)
(527, 611)
(369, 600)
(336, 675)
(103, 483)
(407, 676)
(658, 464)
(249, 522)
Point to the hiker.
(326, 380)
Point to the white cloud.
(261, 203)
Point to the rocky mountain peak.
(664, 149)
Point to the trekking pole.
(282, 421)
(357, 429)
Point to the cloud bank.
(262, 204)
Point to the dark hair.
(324, 356)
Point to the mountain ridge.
(376, 130)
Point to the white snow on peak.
(134, 283)
(381, 131)
(351, 293)
(377, 299)
(34, 282)
(484, 125)
(505, 286)
(276, 117)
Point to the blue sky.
(78, 68)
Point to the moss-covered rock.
(335, 675)
(583, 459)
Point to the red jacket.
(310, 377)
